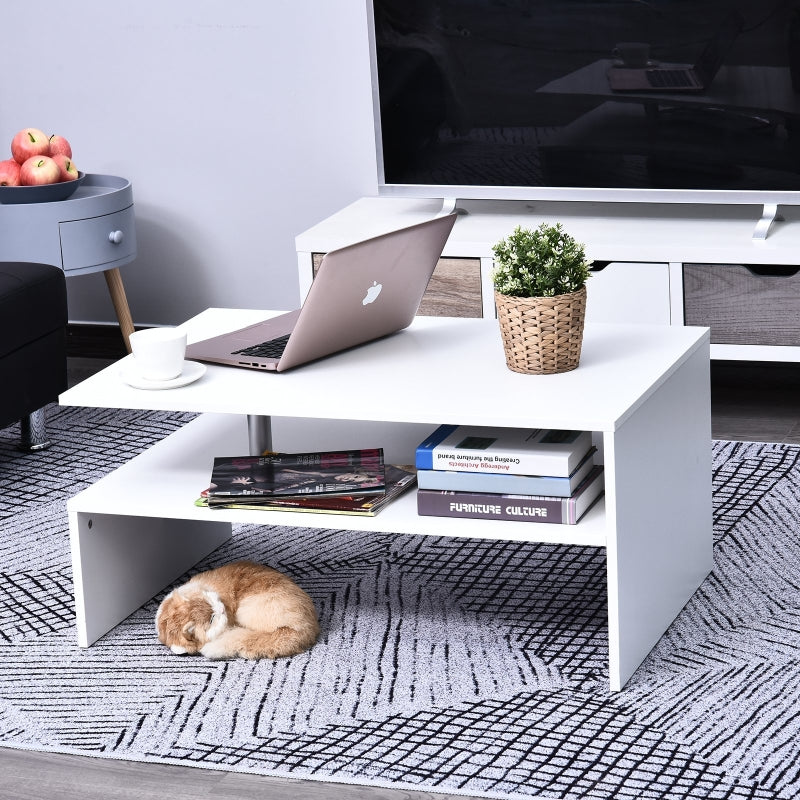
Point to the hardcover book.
(499, 483)
(345, 472)
(522, 508)
(512, 451)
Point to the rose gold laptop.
(361, 292)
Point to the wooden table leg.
(120, 301)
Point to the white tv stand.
(671, 264)
(642, 390)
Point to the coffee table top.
(439, 370)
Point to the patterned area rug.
(445, 665)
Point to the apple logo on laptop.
(372, 293)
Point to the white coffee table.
(643, 390)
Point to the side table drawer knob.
(115, 237)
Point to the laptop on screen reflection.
(680, 78)
(361, 292)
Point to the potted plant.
(539, 279)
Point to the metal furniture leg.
(33, 432)
(259, 434)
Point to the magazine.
(398, 480)
(344, 472)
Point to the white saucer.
(192, 371)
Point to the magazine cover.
(398, 480)
(344, 472)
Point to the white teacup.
(158, 352)
(632, 54)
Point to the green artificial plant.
(543, 262)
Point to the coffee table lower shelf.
(137, 529)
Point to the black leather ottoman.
(33, 345)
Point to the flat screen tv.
(538, 99)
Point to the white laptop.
(361, 292)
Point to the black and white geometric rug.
(445, 665)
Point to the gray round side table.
(94, 230)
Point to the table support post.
(259, 434)
(120, 301)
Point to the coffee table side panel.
(121, 562)
(658, 498)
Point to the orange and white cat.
(240, 609)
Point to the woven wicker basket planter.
(542, 335)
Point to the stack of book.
(325, 482)
(531, 475)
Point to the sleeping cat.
(240, 609)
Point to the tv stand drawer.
(744, 304)
(628, 292)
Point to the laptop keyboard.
(271, 349)
(661, 78)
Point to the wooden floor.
(749, 403)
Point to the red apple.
(39, 170)
(9, 173)
(69, 172)
(29, 142)
(58, 144)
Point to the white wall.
(239, 124)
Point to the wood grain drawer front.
(88, 243)
(744, 304)
(454, 289)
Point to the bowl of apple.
(40, 170)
